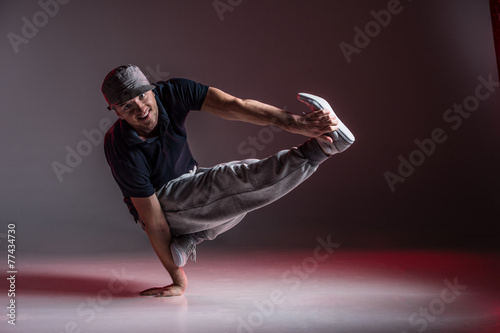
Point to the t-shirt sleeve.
(183, 92)
(134, 182)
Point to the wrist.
(179, 277)
(287, 121)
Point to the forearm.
(263, 114)
(312, 124)
(251, 111)
(158, 232)
(160, 240)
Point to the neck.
(148, 135)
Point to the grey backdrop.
(396, 88)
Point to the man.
(179, 204)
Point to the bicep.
(220, 103)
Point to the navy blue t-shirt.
(141, 167)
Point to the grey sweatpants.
(209, 201)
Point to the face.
(141, 113)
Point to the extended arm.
(313, 124)
(158, 232)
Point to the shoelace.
(191, 251)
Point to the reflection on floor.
(322, 289)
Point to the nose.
(141, 107)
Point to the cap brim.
(132, 94)
(128, 95)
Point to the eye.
(142, 96)
(127, 108)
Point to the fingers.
(317, 114)
(168, 291)
(150, 291)
(324, 124)
(318, 122)
(325, 138)
(322, 117)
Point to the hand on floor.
(167, 291)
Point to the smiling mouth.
(145, 116)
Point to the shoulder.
(119, 142)
(113, 134)
(177, 86)
(182, 92)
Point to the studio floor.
(322, 289)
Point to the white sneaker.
(183, 248)
(342, 137)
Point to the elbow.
(157, 228)
(152, 225)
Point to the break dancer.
(179, 204)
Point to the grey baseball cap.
(124, 83)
